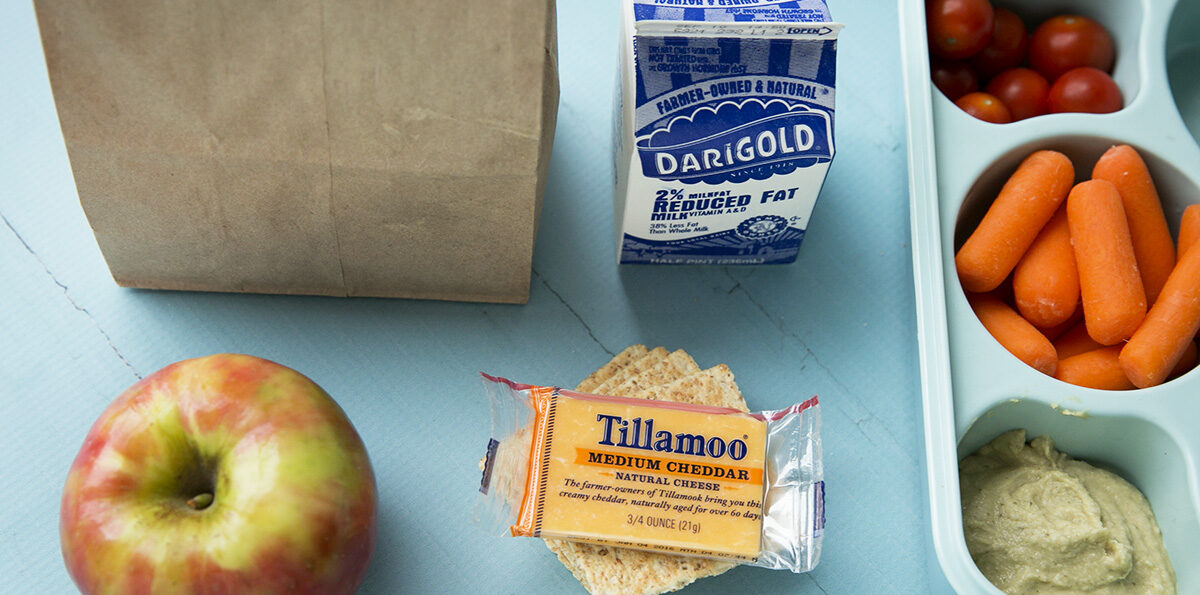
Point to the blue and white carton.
(724, 128)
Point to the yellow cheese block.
(652, 475)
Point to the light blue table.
(839, 323)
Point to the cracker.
(714, 386)
(603, 569)
(508, 464)
(684, 362)
(635, 368)
(619, 361)
(677, 365)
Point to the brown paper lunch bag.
(391, 148)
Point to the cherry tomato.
(1022, 91)
(1007, 49)
(1086, 90)
(958, 29)
(985, 107)
(953, 78)
(1070, 41)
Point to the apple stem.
(200, 502)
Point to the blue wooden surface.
(838, 323)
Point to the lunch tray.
(972, 388)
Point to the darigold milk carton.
(724, 128)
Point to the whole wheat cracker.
(714, 387)
(619, 361)
(635, 368)
(508, 463)
(605, 570)
(676, 365)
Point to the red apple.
(222, 474)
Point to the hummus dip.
(1038, 521)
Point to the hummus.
(1038, 521)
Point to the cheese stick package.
(655, 475)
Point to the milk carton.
(724, 128)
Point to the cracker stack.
(654, 374)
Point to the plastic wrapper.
(655, 475)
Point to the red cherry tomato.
(1007, 49)
(1070, 41)
(1022, 91)
(985, 107)
(1086, 90)
(958, 29)
(953, 78)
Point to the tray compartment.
(1182, 55)
(983, 369)
(1142, 452)
(1122, 18)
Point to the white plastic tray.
(973, 389)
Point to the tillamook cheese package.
(724, 128)
(656, 475)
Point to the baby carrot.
(1025, 203)
(1058, 330)
(1046, 282)
(1114, 302)
(1187, 362)
(1189, 229)
(1099, 368)
(1075, 342)
(1152, 243)
(1162, 339)
(1014, 333)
